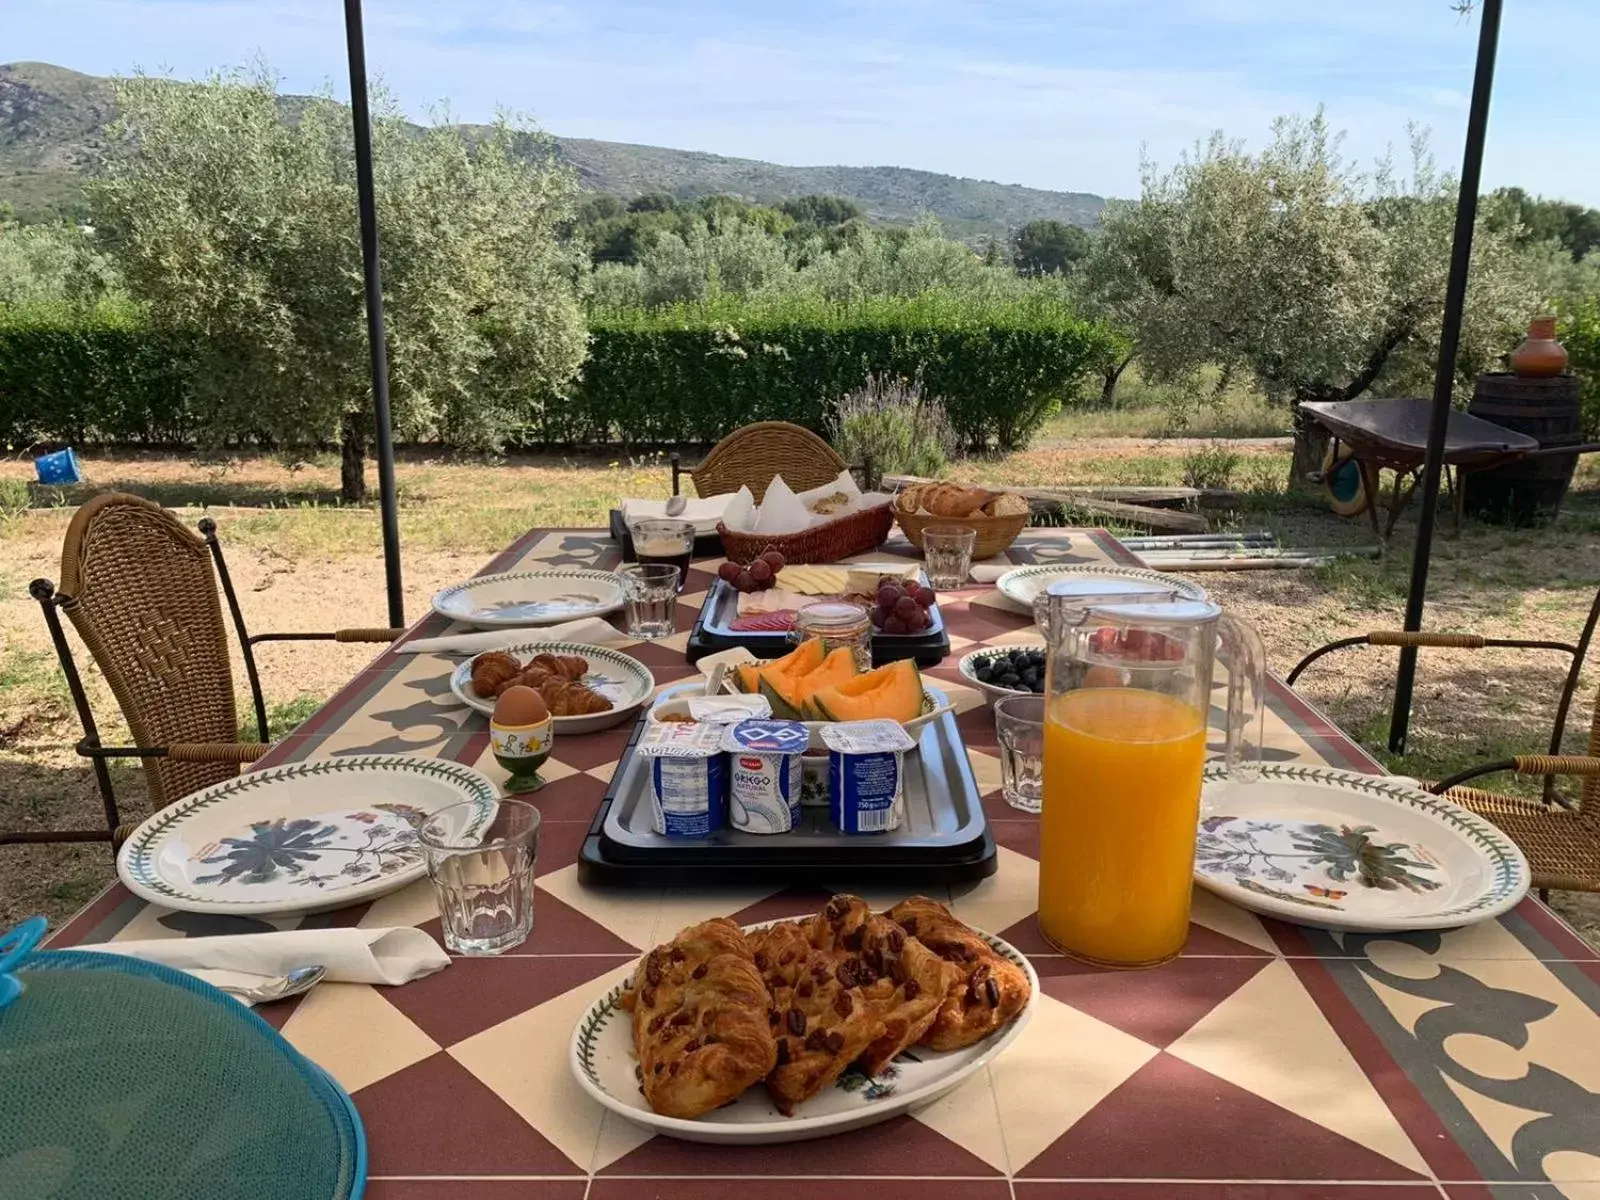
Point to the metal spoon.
(301, 979)
(676, 505)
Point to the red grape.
(729, 571)
(773, 559)
(921, 621)
(877, 618)
(925, 597)
(746, 582)
(888, 595)
(905, 608)
(894, 625)
(761, 571)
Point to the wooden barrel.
(1530, 491)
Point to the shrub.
(1210, 466)
(894, 425)
(1580, 333)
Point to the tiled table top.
(1267, 1061)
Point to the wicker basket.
(995, 534)
(825, 543)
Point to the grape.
(877, 618)
(761, 571)
(925, 597)
(905, 608)
(888, 596)
(773, 559)
(729, 571)
(894, 625)
(746, 582)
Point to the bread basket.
(828, 542)
(995, 534)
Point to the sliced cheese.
(809, 579)
(774, 599)
(866, 580)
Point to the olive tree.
(231, 212)
(1321, 280)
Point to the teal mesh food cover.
(124, 1080)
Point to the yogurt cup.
(764, 774)
(688, 777)
(866, 774)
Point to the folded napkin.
(591, 631)
(704, 511)
(988, 572)
(388, 956)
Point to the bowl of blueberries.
(1006, 670)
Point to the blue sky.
(1051, 93)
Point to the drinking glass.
(664, 541)
(1019, 726)
(651, 593)
(483, 877)
(947, 555)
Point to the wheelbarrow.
(1371, 435)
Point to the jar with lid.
(837, 623)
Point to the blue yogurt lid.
(767, 736)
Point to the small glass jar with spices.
(837, 623)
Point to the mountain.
(51, 135)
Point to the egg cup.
(522, 750)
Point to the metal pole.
(361, 118)
(1444, 372)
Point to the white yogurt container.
(866, 774)
(764, 774)
(688, 777)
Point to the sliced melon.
(893, 692)
(778, 680)
(747, 677)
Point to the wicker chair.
(751, 455)
(141, 590)
(1560, 837)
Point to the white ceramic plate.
(602, 1061)
(1022, 584)
(934, 704)
(1341, 850)
(624, 681)
(542, 596)
(968, 666)
(300, 837)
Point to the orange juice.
(1122, 771)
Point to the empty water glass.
(482, 871)
(1019, 726)
(947, 555)
(650, 591)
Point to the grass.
(1158, 410)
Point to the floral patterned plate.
(624, 681)
(1342, 850)
(542, 596)
(297, 838)
(602, 1061)
(1022, 584)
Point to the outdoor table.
(1267, 1061)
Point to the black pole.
(1455, 297)
(362, 120)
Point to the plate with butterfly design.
(624, 681)
(1342, 850)
(540, 596)
(602, 1061)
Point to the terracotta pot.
(1540, 356)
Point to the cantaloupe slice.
(777, 678)
(893, 692)
(747, 677)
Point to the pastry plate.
(303, 837)
(602, 1060)
(542, 596)
(624, 681)
(1342, 850)
(968, 666)
(1022, 584)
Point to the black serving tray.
(706, 545)
(711, 635)
(945, 837)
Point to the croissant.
(567, 666)
(493, 672)
(529, 676)
(568, 699)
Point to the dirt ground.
(296, 556)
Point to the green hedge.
(82, 377)
(692, 373)
(686, 374)
(1580, 333)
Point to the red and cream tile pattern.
(1266, 1062)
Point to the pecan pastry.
(819, 1015)
(903, 981)
(700, 1028)
(989, 989)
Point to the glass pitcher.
(1127, 700)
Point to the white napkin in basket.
(591, 631)
(704, 511)
(386, 956)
